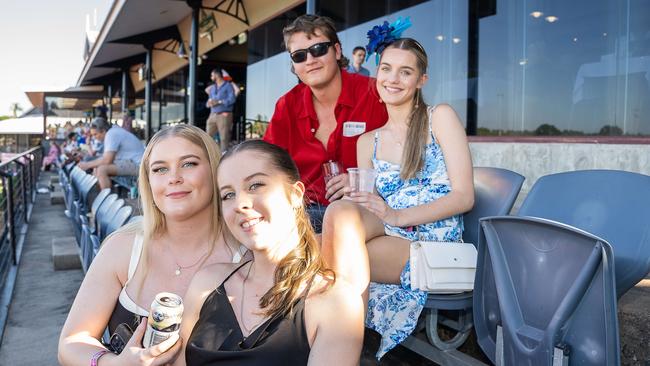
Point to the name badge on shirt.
(353, 128)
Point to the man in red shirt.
(321, 118)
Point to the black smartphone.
(120, 337)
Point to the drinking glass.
(330, 170)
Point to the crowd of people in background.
(100, 147)
(235, 235)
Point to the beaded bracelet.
(96, 356)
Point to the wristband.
(96, 356)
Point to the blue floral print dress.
(393, 310)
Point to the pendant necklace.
(177, 272)
(241, 306)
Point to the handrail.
(18, 177)
(21, 155)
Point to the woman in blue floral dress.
(424, 184)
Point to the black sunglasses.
(316, 50)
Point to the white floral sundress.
(393, 310)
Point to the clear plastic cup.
(366, 180)
(331, 169)
(353, 177)
(362, 179)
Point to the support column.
(147, 93)
(125, 89)
(45, 107)
(185, 117)
(311, 7)
(472, 66)
(161, 99)
(194, 53)
(110, 103)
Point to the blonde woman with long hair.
(284, 307)
(180, 234)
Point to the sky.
(41, 45)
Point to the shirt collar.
(308, 103)
(346, 91)
(345, 98)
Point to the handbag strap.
(421, 173)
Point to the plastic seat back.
(94, 241)
(101, 196)
(551, 288)
(611, 204)
(86, 247)
(495, 191)
(121, 217)
(101, 210)
(107, 217)
(137, 218)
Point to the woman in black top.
(283, 307)
(180, 233)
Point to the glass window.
(557, 67)
(266, 40)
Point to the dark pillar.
(472, 66)
(311, 7)
(147, 93)
(185, 118)
(45, 107)
(194, 53)
(125, 89)
(110, 102)
(160, 105)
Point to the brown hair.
(309, 24)
(304, 262)
(418, 122)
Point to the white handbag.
(442, 267)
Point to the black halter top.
(217, 339)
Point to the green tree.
(547, 130)
(609, 130)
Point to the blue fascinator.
(382, 35)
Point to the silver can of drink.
(164, 318)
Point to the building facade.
(509, 67)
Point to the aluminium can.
(164, 318)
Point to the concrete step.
(56, 198)
(65, 253)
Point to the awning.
(220, 20)
(76, 98)
(20, 126)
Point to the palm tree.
(15, 108)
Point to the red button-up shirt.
(294, 125)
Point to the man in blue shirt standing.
(358, 56)
(221, 102)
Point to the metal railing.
(253, 128)
(17, 192)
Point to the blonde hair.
(153, 223)
(418, 121)
(302, 264)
